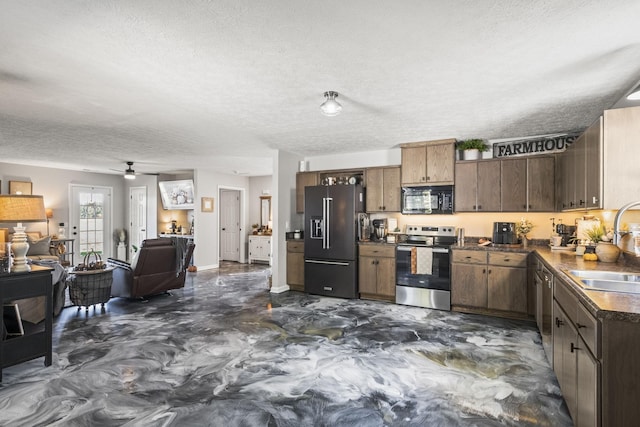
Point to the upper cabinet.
(506, 185)
(304, 179)
(599, 170)
(428, 163)
(383, 189)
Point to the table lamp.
(19, 209)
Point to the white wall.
(354, 160)
(53, 184)
(258, 186)
(208, 183)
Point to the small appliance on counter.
(364, 228)
(379, 230)
(504, 233)
(566, 232)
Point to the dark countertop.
(603, 305)
(373, 243)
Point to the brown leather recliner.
(159, 266)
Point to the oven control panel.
(431, 230)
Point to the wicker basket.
(90, 287)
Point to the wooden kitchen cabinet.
(477, 186)
(295, 265)
(574, 361)
(513, 174)
(383, 189)
(377, 272)
(304, 179)
(428, 163)
(489, 282)
(528, 184)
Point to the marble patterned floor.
(224, 351)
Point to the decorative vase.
(473, 154)
(607, 252)
(525, 242)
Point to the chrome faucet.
(617, 234)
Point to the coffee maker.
(566, 232)
(379, 230)
(504, 233)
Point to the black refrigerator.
(330, 247)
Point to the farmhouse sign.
(537, 145)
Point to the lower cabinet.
(377, 272)
(576, 367)
(295, 265)
(260, 249)
(489, 282)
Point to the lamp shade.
(15, 208)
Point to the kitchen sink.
(606, 275)
(611, 281)
(610, 285)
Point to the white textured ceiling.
(220, 84)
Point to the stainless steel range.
(423, 267)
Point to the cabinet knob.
(573, 347)
(479, 207)
(428, 178)
(580, 325)
(559, 322)
(581, 202)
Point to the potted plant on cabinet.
(471, 148)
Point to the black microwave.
(427, 200)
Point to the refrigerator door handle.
(327, 223)
(313, 261)
(324, 223)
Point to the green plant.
(596, 233)
(473, 144)
(524, 227)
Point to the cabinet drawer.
(469, 257)
(295, 246)
(378, 251)
(508, 259)
(588, 328)
(566, 299)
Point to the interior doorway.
(230, 220)
(137, 219)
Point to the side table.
(36, 341)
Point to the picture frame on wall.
(21, 187)
(206, 204)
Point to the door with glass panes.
(90, 220)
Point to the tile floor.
(224, 351)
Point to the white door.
(90, 219)
(230, 225)
(137, 218)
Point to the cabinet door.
(593, 150)
(440, 163)
(387, 276)
(391, 189)
(304, 179)
(514, 192)
(507, 289)
(580, 173)
(367, 275)
(375, 190)
(414, 165)
(469, 285)
(489, 186)
(295, 270)
(587, 404)
(466, 187)
(565, 338)
(541, 184)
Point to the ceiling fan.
(130, 173)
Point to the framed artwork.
(177, 194)
(206, 204)
(20, 187)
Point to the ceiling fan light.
(330, 107)
(635, 95)
(129, 174)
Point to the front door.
(229, 225)
(90, 219)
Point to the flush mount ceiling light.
(130, 173)
(330, 107)
(634, 95)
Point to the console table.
(36, 341)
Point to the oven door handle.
(434, 250)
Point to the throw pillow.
(39, 246)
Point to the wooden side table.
(36, 341)
(64, 249)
